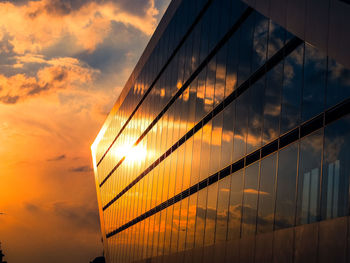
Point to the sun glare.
(131, 153)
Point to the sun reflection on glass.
(131, 153)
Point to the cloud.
(78, 215)
(36, 25)
(60, 73)
(30, 207)
(81, 169)
(57, 158)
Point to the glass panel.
(309, 178)
(215, 146)
(336, 170)
(286, 187)
(261, 31)
(292, 87)
(200, 217)
(245, 49)
(227, 135)
(338, 86)
(266, 205)
(211, 214)
(255, 115)
(235, 208)
(240, 134)
(314, 82)
(222, 210)
(191, 221)
(250, 199)
(183, 224)
(272, 103)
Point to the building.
(229, 142)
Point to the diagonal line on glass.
(198, 18)
(222, 42)
(273, 61)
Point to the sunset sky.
(63, 64)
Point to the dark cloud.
(31, 207)
(81, 216)
(81, 169)
(2, 213)
(8, 99)
(113, 53)
(57, 158)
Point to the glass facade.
(234, 129)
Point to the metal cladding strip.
(222, 42)
(273, 61)
(158, 76)
(315, 123)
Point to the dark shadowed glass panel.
(241, 126)
(272, 103)
(225, 14)
(250, 199)
(292, 88)
(277, 35)
(222, 209)
(338, 83)
(309, 178)
(227, 135)
(235, 208)
(266, 204)
(220, 75)
(232, 64)
(255, 118)
(214, 25)
(336, 170)
(261, 31)
(245, 49)
(286, 187)
(200, 95)
(315, 69)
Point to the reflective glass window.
(336, 170)
(261, 31)
(211, 214)
(315, 69)
(286, 187)
(222, 209)
(255, 117)
(266, 205)
(250, 199)
(191, 221)
(309, 178)
(292, 88)
(200, 217)
(245, 49)
(241, 126)
(235, 208)
(272, 103)
(338, 83)
(227, 134)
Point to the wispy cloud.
(57, 158)
(81, 169)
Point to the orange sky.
(62, 65)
